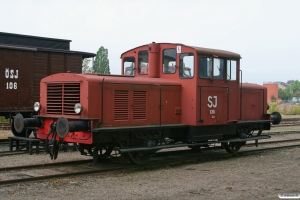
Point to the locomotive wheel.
(83, 147)
(138, 158)
(107, 151)
(232, 147)
(105, 154)
(103, 150)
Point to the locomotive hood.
(62, 77)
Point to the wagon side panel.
(11, 77)
(40, 70)
(25, 81)
(74, 63)
(2, 81)
(57, 63)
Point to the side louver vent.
(61, 98)
(121, 105)
(139, 105)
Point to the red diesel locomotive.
(169, 95)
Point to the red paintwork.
(77, 137)
(254, 102)
(157, 98)
(93, 86)
(191, 92)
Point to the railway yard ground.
(208, 174)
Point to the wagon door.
(213, 105)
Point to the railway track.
(11, 153)
(162, 159)
(4, 141)
(274, 141)
(5, 126)
(285, 125)
(77, 168)
(287, 122)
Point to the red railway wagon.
(176, 95)
(24, 61)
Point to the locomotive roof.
(216, 52)
(202, 50)
(34, 43)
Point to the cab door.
(213, 90)
(213, 105)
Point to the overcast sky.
(266, 33)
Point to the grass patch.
(284, 109)
(3, 119)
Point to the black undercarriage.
(138, 144)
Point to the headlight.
(78, 108)
(37, 106)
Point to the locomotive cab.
(214, 103)
(209, 79)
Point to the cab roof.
(199, 50)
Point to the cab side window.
(169, 61)
(129, 66)
(231, 70)
(218, 68)
(205, 67)
(186, 68)
(211, 68)
(143, 62)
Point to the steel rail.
(282, 132)
(11, 153)
(285, 125)
(45, 165)
(290, 119)
(38, 178)
(275, 141)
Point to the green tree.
(85, 66)
(101, 63)
(284, 94)
(294, 88)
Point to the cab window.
(205, 67)
(211, 68)
(218, 68)
(186, 68)
(143, 62)
(129, 66)
(231, 70)
(169, 61)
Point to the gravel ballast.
(248, 176)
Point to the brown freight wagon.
(24, 61)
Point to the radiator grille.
(121, 105)
(139, 105)
(62, 97)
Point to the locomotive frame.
(24, 61)
(175, 95)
